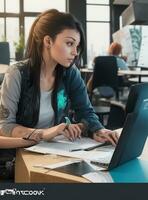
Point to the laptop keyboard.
(104, 161)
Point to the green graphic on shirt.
(61, 99)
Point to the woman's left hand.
(105, 135)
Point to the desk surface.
(143, 79)
(26, 172)
(121, 72)
(3, 68)
(25, 162)
(133, 72)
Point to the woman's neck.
(48, 66)
(47, 76)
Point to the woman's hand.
(72, 131)
(59, 128)
(105, 135)
(52, 132)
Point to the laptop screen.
(134, 133)
(137, 93)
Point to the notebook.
(131, 141)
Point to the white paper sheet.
(85, 155)
(82, 143)
(99, 177)
(61, 143)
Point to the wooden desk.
(3, 68)
(26, 173)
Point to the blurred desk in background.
(139, 73)
(86, 73)
(136, 80)
(3, 68)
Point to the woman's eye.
(69, 44)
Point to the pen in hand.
(72, 130)
(68, 122)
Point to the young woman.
(38, 92)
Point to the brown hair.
(51, 22)
(115, 49)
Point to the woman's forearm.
(37, 134)
(7, 142)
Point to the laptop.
(133, 137)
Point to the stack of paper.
(61, 143)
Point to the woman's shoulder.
(17, 67)
(72, 70)
(72, 76)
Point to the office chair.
(105, 76)
(104, 83)
(118, 113)
(4, 53)
(4, 56)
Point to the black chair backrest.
(116, 116)
(4, 53)
(105, 72)
(137, 93)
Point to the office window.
(98, 1)
(41, 5)
(12, 31)
(12, 6)
(98, 28)
(97, 40)
(97, 13)
(2, 38)
(17, 16)
(28, 22)
(1, 5)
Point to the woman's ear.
(47, 41)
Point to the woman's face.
(64, 49)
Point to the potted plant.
(19, 48)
